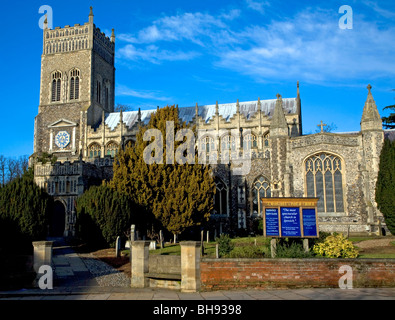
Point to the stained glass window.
(324, 179)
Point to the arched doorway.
(58, 220)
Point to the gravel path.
(375, 243)
(104, 274)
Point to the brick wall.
(217, 274)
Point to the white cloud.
(311, 47)
(187, 26)
(154, 54)
(381, 11)
(308, 46)
(122, 90)
(258, 5)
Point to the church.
(77, 134)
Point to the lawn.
(384, 252)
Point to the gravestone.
(152, 245)
(161, 239)
(118, 247)
(132, 233)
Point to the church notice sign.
(290, 217)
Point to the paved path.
(73, 280)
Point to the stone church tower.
(77, 86)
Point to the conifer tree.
(385, 185)
(178, 195)
(103, 214)
(24, 210)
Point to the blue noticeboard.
(290, 222)
(272, 225)
(309, 222)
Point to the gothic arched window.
(266, 140)
(207, 146)
(56, 86)
(94, 150)
(112, 149)
(250, 141)
(74, 84)
(221, 197)
(324, 179)
(260, 189)
(228, 143)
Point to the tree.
(389, 122)
(327, 128)
(104, 213)
(385, 185)
(24, 210)
(179, 196)
(123, 107)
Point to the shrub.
(336, 246)
(291, 249)
(250, 251)
(224, 245)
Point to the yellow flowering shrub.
(336, 246)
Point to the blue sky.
(183, 52)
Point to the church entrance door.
(58, 220)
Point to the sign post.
(290, 217)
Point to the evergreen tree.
(389, 122)
(385, 186)
(103, 214)
(24, 210)
(178, 195)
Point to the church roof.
(207, 112)
(389, 134)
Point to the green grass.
(362, 238)
(263, 243)
(169, 249)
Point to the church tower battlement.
(77, 85)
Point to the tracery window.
(266, 140)
(260, 189)
(94, 150)
(112, 149)
(324, 179)
(56, 86)
(74, 84)
(250, 141)
(207, 144)
(206, 147)
(221, 197)
(228, 143)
